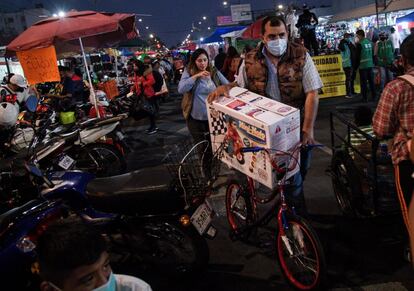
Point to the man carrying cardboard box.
(284, 71)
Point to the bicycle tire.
(312, 248)
(346, 183)
(234, 216)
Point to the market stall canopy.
(234, 34)
(97, 30)
(407, 18)
(254, 31)
(395, 5)
(216, 35)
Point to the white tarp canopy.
(395, 5)
(234, 34)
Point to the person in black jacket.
(219, 59)
(307, 23)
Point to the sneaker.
(152, 131)
(349, 96)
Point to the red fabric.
(96, 30)
(395, 117)
(76, 78)
(254, 31)
(147, 82)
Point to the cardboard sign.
(39, 65)
(332, 75)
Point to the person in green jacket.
(347, 49)
(365, 59)
(384, 54)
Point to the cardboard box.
(246, 119)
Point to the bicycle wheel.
(300, 254)
(239, 207)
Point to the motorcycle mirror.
(31, 103)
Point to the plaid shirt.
(395, 117)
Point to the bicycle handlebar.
(258, 149)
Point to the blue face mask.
(108, 286)
(350, 39)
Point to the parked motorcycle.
(141, 213)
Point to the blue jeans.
(294, 190)
(386, 76)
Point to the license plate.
(201, 218)
(66, 162)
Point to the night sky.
(171, 19)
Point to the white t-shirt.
(395, 38)
(129, 283)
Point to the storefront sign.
(39, 65)
(332, 75)
(225, 20)
(242, 12)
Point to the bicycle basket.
(193, 167)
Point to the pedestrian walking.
(143, 88)
(347, 49)
(284, 71)
(396, 41)
(384, 55)
(365, 59)
(394, 118)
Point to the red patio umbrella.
(96, 29)
(254, 31)
(76, 32)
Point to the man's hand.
(222, 90)
(307, 137)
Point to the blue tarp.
(407, 18)
(216, 36)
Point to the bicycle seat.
(147, 191)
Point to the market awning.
(234, 34)
(216, 35)
(407, 18)
(395, 5)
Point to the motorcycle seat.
(147, 191)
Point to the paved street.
(361, 254)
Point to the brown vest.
(289, 71)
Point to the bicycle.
(300, 253)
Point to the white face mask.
(277, 47)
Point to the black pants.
(310, 42)
(152, 116)
(367, 76)
(405, 186)
(199, 130)
(350, 75)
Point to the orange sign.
(39, 65)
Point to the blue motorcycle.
(141, 213)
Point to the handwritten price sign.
(39, 65)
